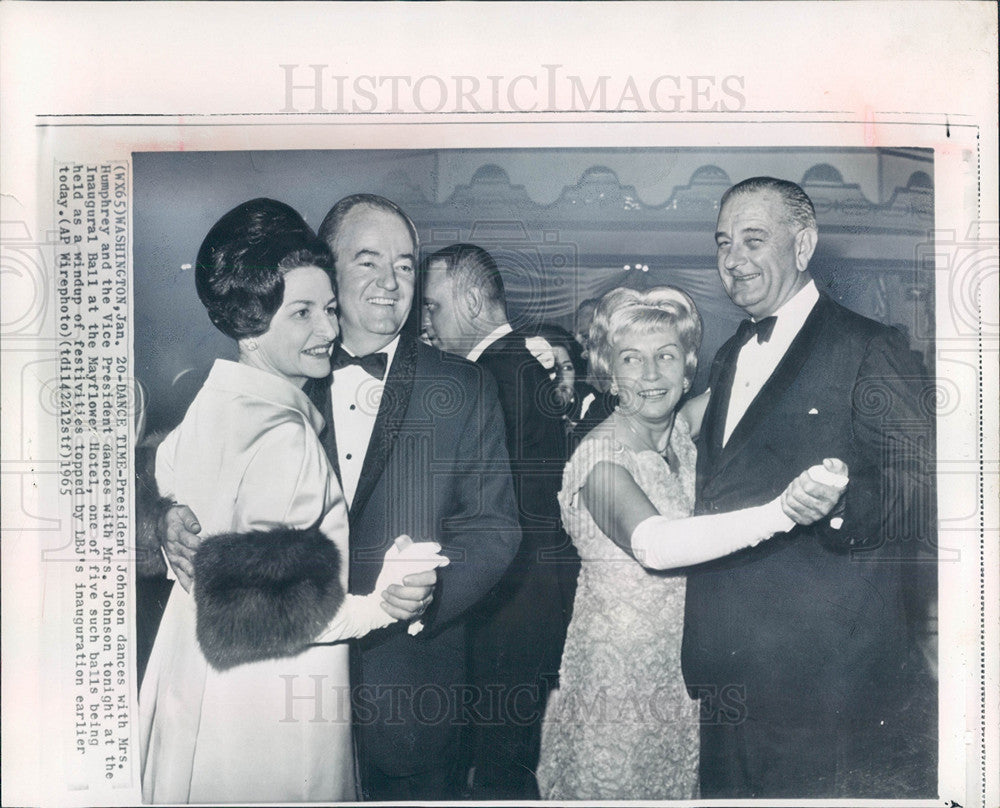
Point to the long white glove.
(361, 614)
(660, 543)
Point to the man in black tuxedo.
(417, 441)
(519, 632)
(796, 646)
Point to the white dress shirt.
(488, 340)
(757, 362)
(355, 396)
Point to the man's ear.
(805, 246)
(473, 299)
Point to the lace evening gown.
(621, 725)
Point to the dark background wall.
(564, 224)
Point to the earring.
(687, 385)
(614, 388)
(250, 344)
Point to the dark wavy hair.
(241, 266)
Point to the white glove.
(540, 348)
(660, 543)
(408, 557)
(361, 614)
(413, 558)
(821, 475)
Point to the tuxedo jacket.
(535, 436)
(522, 624)
(436, 468)
(810, 623)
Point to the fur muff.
(264, 594)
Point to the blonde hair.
(623, 310)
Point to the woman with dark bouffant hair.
(220, 705)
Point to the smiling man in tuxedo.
(417, 441)
(809, 628)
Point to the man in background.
(520, 629)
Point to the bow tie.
(762, 329)
(373, 364)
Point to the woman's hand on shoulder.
(693, 412)
(178, 529)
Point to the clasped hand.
(815, 492)
(408, 576)
(407, 579)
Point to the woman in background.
(621, 725)
(581, 405)
(266, 621)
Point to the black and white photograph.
(580, 428)
(673, 573)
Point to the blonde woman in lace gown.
(621, 725)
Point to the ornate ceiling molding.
(599, 196)
(606, 222)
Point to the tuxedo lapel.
(721, 385)
(318, 391)
(774, 388)
(391, 410)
